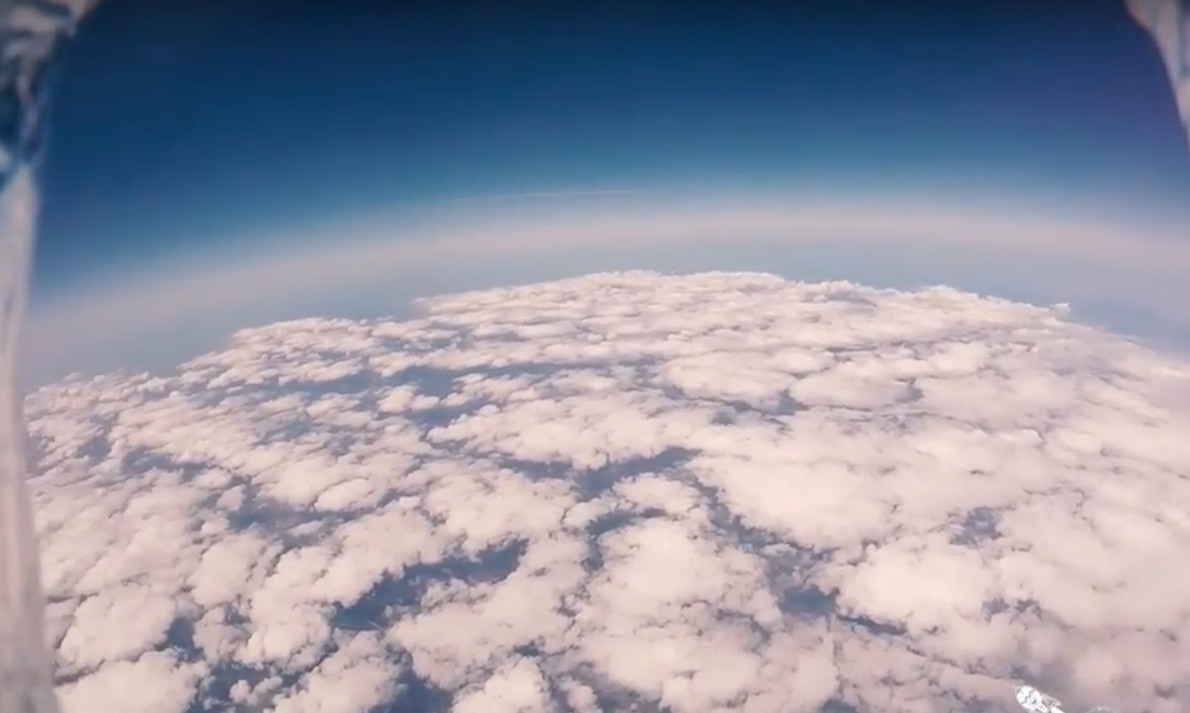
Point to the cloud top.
(721, 491)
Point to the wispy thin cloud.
(543, 195)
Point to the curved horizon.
(1024, 162)
(385, 261)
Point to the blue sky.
(222, 164)
(185, 126)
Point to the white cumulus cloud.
(711, 492)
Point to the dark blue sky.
(181, 125)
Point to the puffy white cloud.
(705, 492)
(156, 681)
(359, 675)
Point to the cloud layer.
(706, 492)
